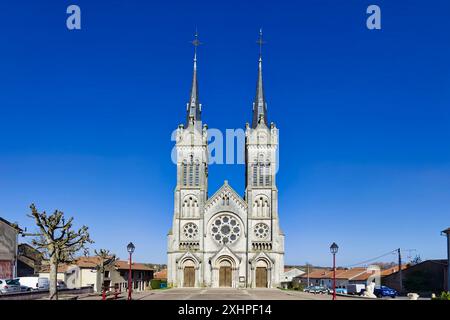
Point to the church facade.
(226, 240)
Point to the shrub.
(155, 283)
(444, 296)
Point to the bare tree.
(59, 242)
(105, 259)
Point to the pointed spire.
(259, 105)
(194, 106)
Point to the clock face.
(261, 231)
(225, 229)
(190, 230)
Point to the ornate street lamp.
(446, 233)
(334, 249)
(130, 249)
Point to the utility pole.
(400, 278)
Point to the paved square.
(229, 294)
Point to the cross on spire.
(195, 43)
(260, 42)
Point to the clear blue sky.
(86, 116)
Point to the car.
(318, 289)
(338, 291)
(306, 289)
(61, 285)
(9, 286)
(384, 291)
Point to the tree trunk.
(53, 278)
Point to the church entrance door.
(261, 277)
(189, 277)
(225, 277)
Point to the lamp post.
(334, 249)
(446, 232)
(130, 249)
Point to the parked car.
(306, 289)
(318, 289)
(61, 284)
(9, 286)
(338, 290)
(384, 291)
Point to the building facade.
(8, 249)
(226, 240)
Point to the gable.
(225, 199)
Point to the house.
(161, 275)
(288, 275)
(29, 260)
(44, 271)
(116, 275)
(429, 276)
(324, 277)
(8, 248)
(82, 272)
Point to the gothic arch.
(188, 260)
(189, 206)
(262, 260)
(261, 206)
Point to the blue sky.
(86, 117)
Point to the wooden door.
(261, 277)
(189, 277)
(225, 277)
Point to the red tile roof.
(124, 265)
(162, 275)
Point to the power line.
(372, 259)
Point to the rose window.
(225, 229)
(190, 230)
(261, 230)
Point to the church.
(226, 240)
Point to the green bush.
(444, 296)
(155, 283)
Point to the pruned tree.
(106, 258)
(58, 241)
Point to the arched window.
(261, 207)
(268, 174)
(191, 174)
(261, 174)
(197, 173)
(190, 207)
(184, 173)
(255, 173)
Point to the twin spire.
(259, 104)
(194, 107)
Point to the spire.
(259, 105)
(194, 106)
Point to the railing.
(262, 245)
(189, 245)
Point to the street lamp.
(446, 232)
(334, 249)
(130, 249)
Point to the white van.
(43, 284)
(355, 288)
(32, 283)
